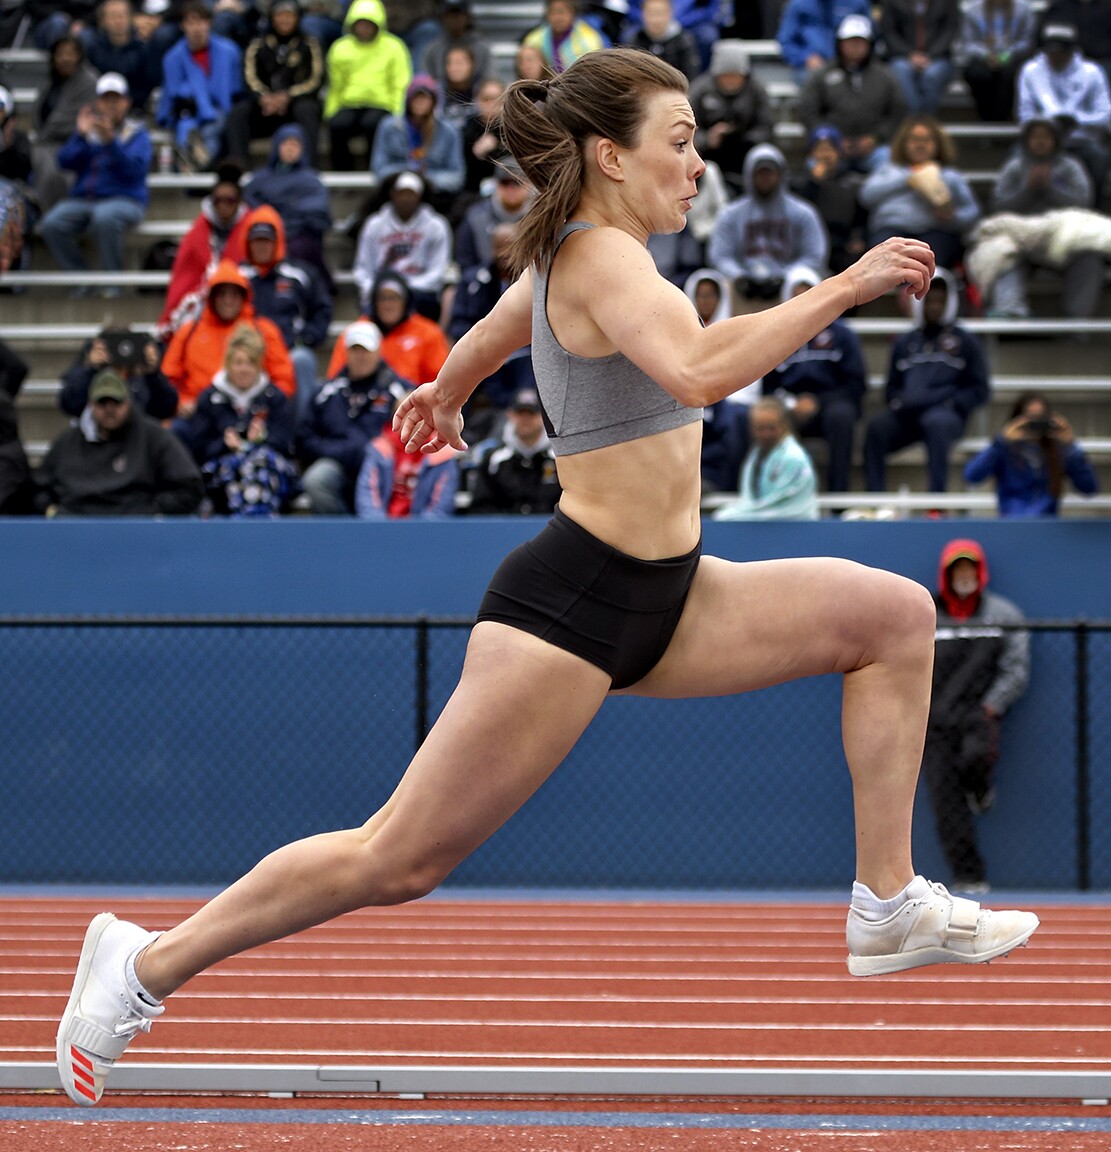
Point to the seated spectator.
(135, 358)
(412, 345)
(663, 36)
(858, 95)
(409, 237)
(1041, 179)
(482, 146)
(937, 376)
(241, 433)
(777, 480)
(289, 184)
(52, 20)
(290, 294)
(827, 183)
(202, 77)
(920, 37)
(397, 485)
(369, 70)
(283, 71)
(919, 192)
(16, 486)
(114, 45)
(808, 32)
(1030, 459)
(219, 231)
(320, 19)
(515, 472)
(16, 206)
(823, 386)
(114, 461)
(732, 110)
(416, 22)
(1093, 29)
(421, 141)
(706, 22)
(460, 88)
(531, 64)
(997, 38)
(563, 36)
(767, 234)
(110, 156)
(70, 86)
(347, 413)
(482, 285)
(507, 202)
(196, 352)
(457, 30)
(1061, 85)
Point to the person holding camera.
(1031, 457)
(132, 356)
(759, 238)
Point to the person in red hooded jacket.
(981, 667)
(196, 352)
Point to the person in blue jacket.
(937, 376)
(202, 77)
(1031, 458)
(110, 156)
(808, 32)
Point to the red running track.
(618, 984)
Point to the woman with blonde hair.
(614, 595)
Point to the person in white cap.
(920, 36)
(808, 29)
(110, 154)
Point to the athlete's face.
(662, 169)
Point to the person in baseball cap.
(363, 334)
(113, 84)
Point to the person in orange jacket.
(196, 352)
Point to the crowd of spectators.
(242, 371)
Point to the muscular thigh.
(748, 626)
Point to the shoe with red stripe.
(105, 1011)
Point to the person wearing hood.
(218, 231)
(242, 433)
(420, 140)
(981, 667)
(827, 182)
(1039, 179)
(197, 350)
(290, 294)
(114, 461)
(919, 192)
(1060, 84)
(732, 110)
(412, 345)
(823, 385)
(808, 32)
(997, 38)
(283, 71)
(109, 155)
(408, 236)
(937, 376)
(457, 30)
(766, 234)
(663, 36)
(369, 70)
(857, 94)
(515, 473)
(1030, 459)
(346, 414)
(295, 190)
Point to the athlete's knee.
(911, 608)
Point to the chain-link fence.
(178, 751)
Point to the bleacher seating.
(1067, 360)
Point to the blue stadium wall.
(749, 792)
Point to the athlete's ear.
(608, 157)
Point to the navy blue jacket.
(831, 366)
(203, 432)
(932, 366)
(292, 295)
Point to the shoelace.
(131, 1023)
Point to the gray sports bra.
(592, 402)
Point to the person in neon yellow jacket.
(369, 70)
(563, 37)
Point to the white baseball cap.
(112, 82)
(855, 26)
(363, 334)
(409, 181)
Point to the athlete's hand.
(896, 263)
(425, 424)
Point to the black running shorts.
(582, 595)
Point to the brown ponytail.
(546, 124)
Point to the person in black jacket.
(663, 36)
(114, 461)
(133, 357)
(920, 36)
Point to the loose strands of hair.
(546, 123)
